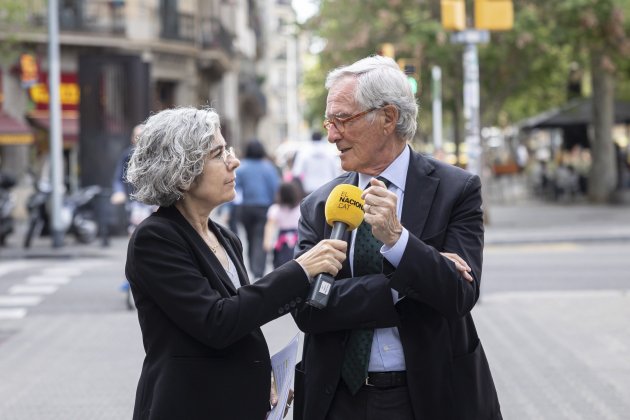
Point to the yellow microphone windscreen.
(344, 204)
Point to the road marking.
(533, 248)
(61, 271)
(33, 289)
(554, 295)
(13, 300)
(8, 267)
(47, 280)
(14, 313)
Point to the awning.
(69, 125)
(578, 112)
(13, 131)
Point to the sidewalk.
(540, 222)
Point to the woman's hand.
(460, 264)
(325, 257)
(273, 398)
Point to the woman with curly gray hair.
(206, 356)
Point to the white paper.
(283, 366)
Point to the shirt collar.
(396, 172)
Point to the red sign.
(68, 92)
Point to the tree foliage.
(12, 16)
(523, 71)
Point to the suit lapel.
(202, 249)
(419, 191)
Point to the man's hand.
(460, 264)
(380, 212)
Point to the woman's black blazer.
(206, 357)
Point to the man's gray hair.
(381, 82)
(170, 153)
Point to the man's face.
(362, 145)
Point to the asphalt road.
(552, 320)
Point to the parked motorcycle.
(7, 204)
(78, 214)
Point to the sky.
(304, 9)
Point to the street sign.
(470, 36)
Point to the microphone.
(344, 212)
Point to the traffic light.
(410, 71)
(387, 50)
(494, 15)
(454, 14)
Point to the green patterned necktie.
(367, 260)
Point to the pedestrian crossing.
(44, 280)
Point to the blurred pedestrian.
(316, 163)
(282, 222)
(258, 180)
(121, 190)
(135, 211)
(206, 357)
(397, 339)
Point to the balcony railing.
(177, 26)
(214, 35)
(95, 16)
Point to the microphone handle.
(320, 288)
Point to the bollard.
(104, 211)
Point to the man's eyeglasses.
(340, 123)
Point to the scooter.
(78, 214)
(7, 204)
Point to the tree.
(523, 71)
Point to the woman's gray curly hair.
(170, 153)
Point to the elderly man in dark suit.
(397, 339)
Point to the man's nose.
(333, 134)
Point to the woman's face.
(215, 185)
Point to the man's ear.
(391, 118)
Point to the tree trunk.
(602, 177)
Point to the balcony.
(213, 35)
(92, 16)
(177, 26)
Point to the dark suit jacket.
(447, 372)
(206, 357)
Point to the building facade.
(122, 60)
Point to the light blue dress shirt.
(387, 352)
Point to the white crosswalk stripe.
(30, 289)
(61, 271)
(12, 313)
(47, 280)
(14, 300)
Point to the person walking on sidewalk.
(397, 339)
(258, 181)
(206, 357)
(282, 222)
(315, 164)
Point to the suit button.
(281, 310)
(298, 300)
(292, 303)
(287, 307)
